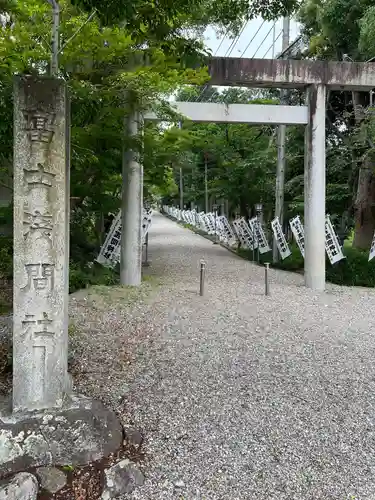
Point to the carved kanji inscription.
(39, 125)
(35, 222)
(39, 177)
(39, 277)
(39, 328)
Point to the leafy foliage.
(114, 54)
(111, 55)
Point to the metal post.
(259, 221)
(55, 36)
(146, 262)
(280, 170)
(253, 237)
(181, 190)
(181, 180)
(202, 276)
(215, 210)
(205, 184)
(266, 283)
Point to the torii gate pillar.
(132, 209)
(315, 189)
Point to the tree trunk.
(364, 215)
(99, 228)
(244, 212)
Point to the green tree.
(340, 29)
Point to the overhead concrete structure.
(208, 112)
(278, 73)
(315, 77)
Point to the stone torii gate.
(131, 258)
(313, 76)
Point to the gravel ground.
(239, 396)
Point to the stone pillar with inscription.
(41, 243)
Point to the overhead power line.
(221, 43)
(235, 40)
(248, 45)
(273, 43)
(264, 39)
(232, 45)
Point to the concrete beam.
(227, 71)
(239, 113)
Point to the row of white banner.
(251, 234)
(109, 254)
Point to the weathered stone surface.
(83, 431)
(22, 486)
(133, 437)
(51, 479)
(120, 479)
(41, 239)
(281, 73)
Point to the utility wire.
(273, 43)
(221, 43)
(231, 47)
(216, 51)
(264, 39)
(248, 45)
(236, 40)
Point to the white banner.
(244, 233)
(372, 249)
(109, 254)
(259, 235)
(281, 242)
(109, 249)
(333, 247)
(298, 233)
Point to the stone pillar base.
(80, 432)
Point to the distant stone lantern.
(259, 212)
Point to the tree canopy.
(110, 51)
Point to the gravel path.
(240, 396)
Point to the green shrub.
(81, 276)
(80, 273)
(293, 263)
(354, 270)
(6, 257)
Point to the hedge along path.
(238, 395)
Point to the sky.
(256, 40)
(260, 47)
